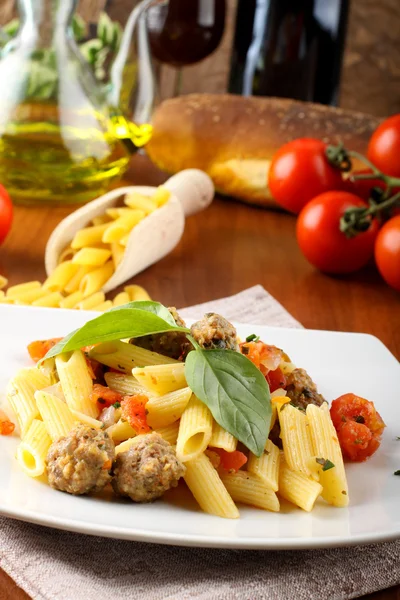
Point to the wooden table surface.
(224, 250)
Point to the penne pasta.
(32, 451)
(121, 431)
(56, 415)
(72, 300)
(165, 410)
(59, 278)
(169, 433)
(101, 220)
(21, 395)
(94, 280)
(66, 254)
(91, 301)
(136, 292)
(120, 211)
(93, 257)
(15, 290)
(51, 300)
(121, 298)
(266, 467)
(161, 195)
(297, 488)
(220, 438)
(103, 306)
(207, 488)
(145, 203)
(195, 430)
(122, 226)
(76, 382)
(30, 295)
(161, 379)
(296, 438)
(124, 357)
(89, 236)
(3, 282)
(117, 252)
(82, 418)
(124, 446)
(326, 447)
(125, 384)
(248, 488)
(73, 285)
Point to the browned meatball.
(171, 343)
(147, 470)
(301, 389)
(80, 462)
(213, 331)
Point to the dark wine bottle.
(289, 48)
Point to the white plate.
(338, 362)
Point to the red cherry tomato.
(384, 146)
(322, 242)
(6, 213)
(387, 252)
(300, 171)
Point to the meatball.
(215, 332)
(301, 389)
(147, 470)
(171, 343)
(80, 462)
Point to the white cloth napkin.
(55, 565)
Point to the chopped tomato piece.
(104, 396)
(231, 461)
(6, 427)
(134, 411)
(262, 354)
(359, 426)
(39, 348)
(276, 379)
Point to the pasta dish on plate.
(136, 400)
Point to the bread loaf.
(233, 138)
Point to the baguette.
(233, 138)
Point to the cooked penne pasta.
(124, 446)
(161, 379)
(122, 226)
(250, 489)
(94, 280)
(164, 410)
(145, 203)
(21, 395)
(326, 447)
(195, 430)
(51, 300)
(76, 382)
(89, 236)
(125, 384)
(296, 438)
(61, 275)
(207, 488)
(121, 298)
(82, 418)
(32, 451)
(136, 292)
(266, 466)
(220, 438)
(91, 301)
(124, 357)
(56, 415)
(170, 433)
(297, 488)
(93, 257)
(121, 431)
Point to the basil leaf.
(235, 391)
(135, 319)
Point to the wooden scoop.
(153, 237)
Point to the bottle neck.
(46, 16)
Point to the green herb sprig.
(230, 385)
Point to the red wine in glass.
(183, 32)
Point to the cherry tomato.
(300, 171)
(384, 146)
(6, 213)
(387, 252)
(359, 426)
(322, 242)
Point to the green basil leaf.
(235, 391)
(135, 319)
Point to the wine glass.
(183, 32)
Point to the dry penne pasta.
(32, 451)
(137, 292)
(121, 298)
(66, 254)
(15, 290)
(94, 280)
(164, 410)
(250, 489)
(89, 236)
(161, 379)
(93, 257)
(195, 430)
(326, 447)
(117, 252)
(161, 195)
(51, 300)
(122, 226)
(31, 295)
(75, 281)
(145, 203)
(103, 306)
(76, 382)
(297, 488)
(266, 466)
(56, 415)
(72, 300)
(207, 488)
(91, 301)
(61, 275)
